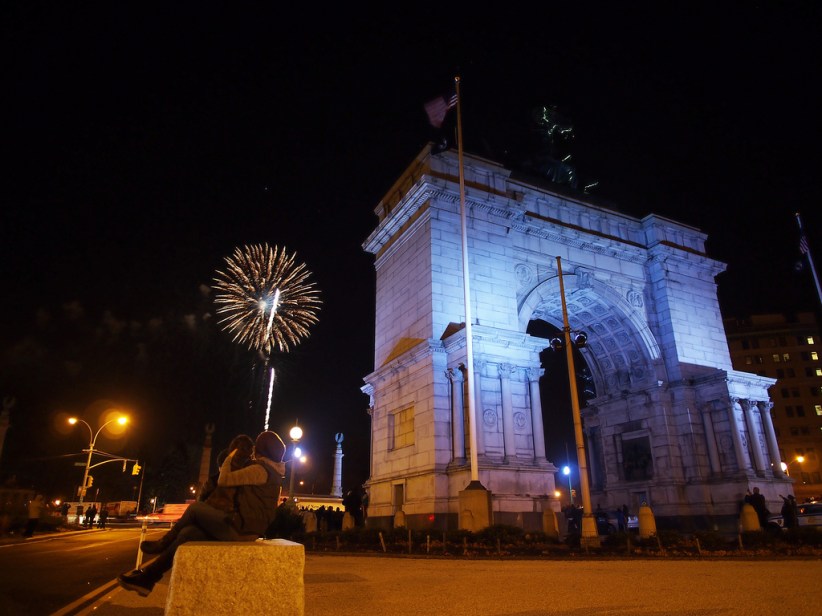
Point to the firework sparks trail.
(259, 279)
(268, 403)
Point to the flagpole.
(466, 289)
(807, 251)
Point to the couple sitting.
(240, 507)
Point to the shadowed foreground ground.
(403, 586)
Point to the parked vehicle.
(809, 515)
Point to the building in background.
(789, 349)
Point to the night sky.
(143, 145)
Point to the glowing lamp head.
(297, 453)
(800, 459)
(122, 420)
(566, 470)
(296, 433)
(72, 420)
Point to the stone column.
(457, 413)
(505, 371)
(710, 440)
(534, 374)
(753, 436)
(741, 458)
(479, 412)
(592, 447)
(770, 435)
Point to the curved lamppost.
(122, 420)
(796, 460)
(589, 526)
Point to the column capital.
(506, 370)
(534, 374)
(455, 374)
(765, 406)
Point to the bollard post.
(748, 520)
(647, 522)
(382, 542)
(427, 544)
(143, 530)
(409, 540)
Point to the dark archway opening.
(554, 389)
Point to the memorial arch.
(666, 419)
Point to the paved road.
(397, 586)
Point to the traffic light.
(135, 470)
(90, 481)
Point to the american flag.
(438, 108)
(803, 244)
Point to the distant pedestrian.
(35, 510)
(789, 511)
(91, 513)
(101, 521)
(364, 504)
(757, 501)
(64, 511)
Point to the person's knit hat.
(270, 445)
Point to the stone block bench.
(242, 577)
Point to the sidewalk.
(353, 585)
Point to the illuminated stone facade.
(669, 422)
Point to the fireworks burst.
(265, 298)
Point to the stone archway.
(672, 424)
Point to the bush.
(711, 540)
(505, 534)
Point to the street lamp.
(296, 433)
(566, 470)
(797, 460)
(122, 420)
(589, 526)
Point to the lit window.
(814, 355)
(819, 372)
(818, 408)
(776, 357)
(748, 360)
(809, 339)
(786, 357)
(403, 428)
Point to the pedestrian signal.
(90, 481)
(135, 470)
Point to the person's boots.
(141, 581)
(156, 547)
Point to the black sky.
(142, 145)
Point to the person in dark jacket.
(220, 497)
(256, 506)
(789, 511)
